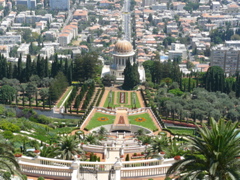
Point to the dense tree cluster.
(58, 86)
(86, 67)
(200, 105)
(220, 35)
(157, 71)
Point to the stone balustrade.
(159, 170)
(56, 172)
(93, 148)
(46, 161)
(69, 170)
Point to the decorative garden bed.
(138, 156)
(122, 97)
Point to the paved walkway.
(122, 113)
(104, 97)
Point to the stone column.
(75, 168)
(117, 167)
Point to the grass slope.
(95, 123)
(147, 124)
(106, 103)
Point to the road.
(70, 15)
(126, 20)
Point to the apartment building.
(60, 4)
(10, 39)
(226, 57)
(68, 33)
(177, 50)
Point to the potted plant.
(37, 151)
(177, 158)
(18, 155)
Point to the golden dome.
(123, 46)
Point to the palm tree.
(49, 151)
(8, 163)
(69, 147)
(214, 153)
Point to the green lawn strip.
(95, 123)
(148, 123)
(118, 98)
(111, 104)
(183, 131)
(137, 101)
(64, 96)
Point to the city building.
(10, 39)
(216, 5)
(23, 50)
(4, 50)
(226, 57)
(68, 33)
(178, 50)
(148, 2)
(30, 4)
(59, 4)
(47, 51)
(80, 14)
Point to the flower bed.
(138, 156)
(180, 123)
(122, 97)
(102, 119)
(140, 119)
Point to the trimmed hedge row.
(81, 95)
(88, 96)
(100, 97)
(72, 96)
(158, 117)
(144, 99)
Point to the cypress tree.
(15, 71)
(131, 76)
(19, 73)
(46, 71)
(10, 71)
(237, 86)
(28, 69)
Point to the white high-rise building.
(60, 4)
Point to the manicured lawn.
(136, 102)
(94, 122)
(118, 104)
(147, 124)
(64, 96)
(107, 103)
(183, 131)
